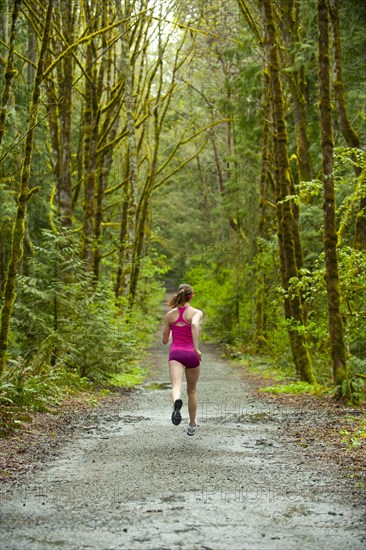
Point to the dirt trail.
(131, 480)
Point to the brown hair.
(183, 294)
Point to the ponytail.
(183, 294)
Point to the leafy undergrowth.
(22, 393)
(132, 377)
(282, 373)
(354, 436)
(294, 388)
(264, 367)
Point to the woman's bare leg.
(176, 376)
(192, 376)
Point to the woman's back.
(181, 329)
(188, 313)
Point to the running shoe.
(176, 416)
(191, 430)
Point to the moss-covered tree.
(9, 68)
(337, 345)
(24, 196)
(349, 133)
(286, 225)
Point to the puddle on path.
(157, 386)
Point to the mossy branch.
(248, 16)
(87, 39)
(182, 165)
(17, 54)
(32, 192)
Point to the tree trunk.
(286, 225)
(54, 130)
(120, 284)
(89, 155)
(348, 131)
(130, 229)
(32, 55)
(137, 250)
(65, 112)
(360, 237)
(24, 196)
(105, 159)
(296, 85)
(103, 169)
(337, 346)
(202, 178)
(142, 212)
(4, 14)
(218, 169)
(9, 70)
(259, 334)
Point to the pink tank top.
(181, 335)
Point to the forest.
(148, 143)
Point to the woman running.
(183, 322)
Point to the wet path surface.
(131, 480)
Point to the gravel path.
(131, 480)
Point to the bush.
(68, 332)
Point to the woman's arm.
(166, 332)
(195, 324)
